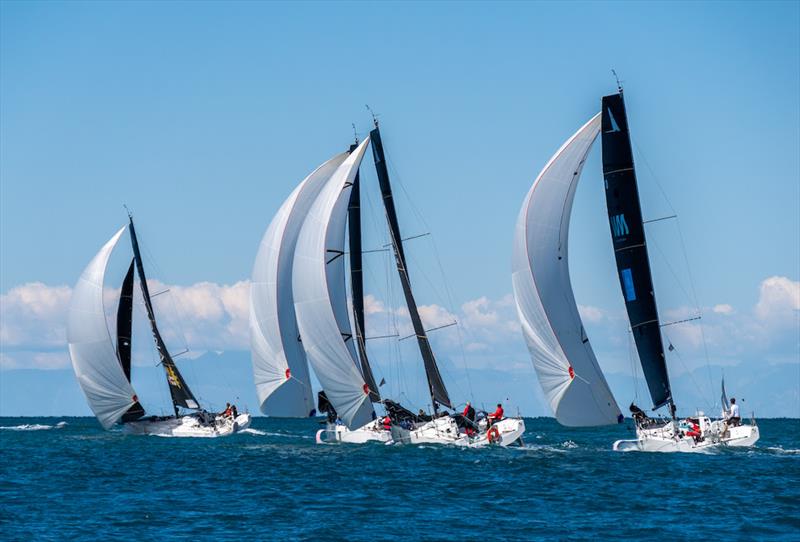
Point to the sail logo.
(627, 284)
(614, 125)
(619, 227)
(172, 377)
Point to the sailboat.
(103, 365)
(567, 368)
(320, 329)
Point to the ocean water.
(68, 479)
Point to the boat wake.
(562, 448)
(32, 427)
(782, 451)
(251, 431)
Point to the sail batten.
(630, 247)
(561, 353)
(320, 298)
(280, 368)
(94, 357)
(436, 386)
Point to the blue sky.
(203, 117)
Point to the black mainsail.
(630, 247)
(180, 392)
(124, 325)
(436, 386)
(357, 282)
(125, 322)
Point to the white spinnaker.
(321, 301)
(91, 347)
(543, 292)
(280, 369)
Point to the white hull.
(373, 431)
(189, 426)
(713, 435)
(444, 430)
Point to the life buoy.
(493, 435)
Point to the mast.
(180, 392)
(436, 387)
(357, 281)
(630, 248)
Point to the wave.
(251, 431)
(32, 427)
(780, 450)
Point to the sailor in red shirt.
(497, 415)
(695, 431)
(469, 414)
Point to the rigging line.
(685, 257)
(449, 293)
(451, 324)
(703, 395)
(655, 243)
(681, 321)
(158, 272)
(659, 219)
(634, 371)
(398, 181)
(410, 238)
(699, 311)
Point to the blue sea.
(66, 478)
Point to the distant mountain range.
(773, 391)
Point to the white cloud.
(435, 316)
(373, 305)
(33, 320)
(722, 308)
(779, 301)
(34, 360)
(590, 314)
(478, 313)
(34, 314)
(214, 317)
(210, 316)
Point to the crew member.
(469, 415)
(497, 415)
(387, 423)
(469, 412)
(734, 418)
(694, 431)
(234, 411)
(227, 412)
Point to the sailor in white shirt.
(732, 419)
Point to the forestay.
(94, 358)
(564, 361)
(320, 297)
(280, 368)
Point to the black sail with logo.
(180, 392)
(630, 247)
